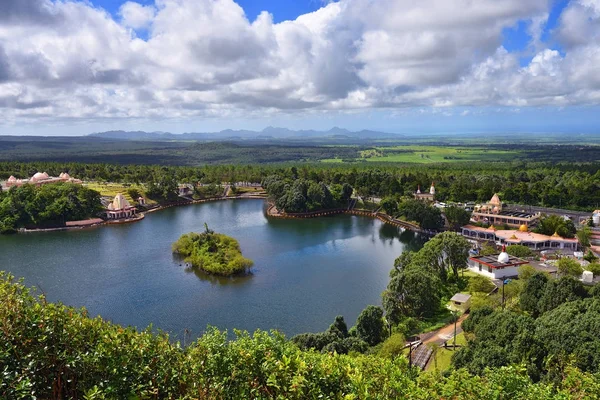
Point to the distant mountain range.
(230, 134)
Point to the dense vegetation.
(300, 195)
(50, 205)
(212, 252)
(550, 324)
(571, 185)
(51, 351)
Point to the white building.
(498, 266)
(120, 208)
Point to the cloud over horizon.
(73, 61)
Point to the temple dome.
(12, 179)
(523, 228)
(39, 176)
(495, 200)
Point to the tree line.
(50, 205)
(563, 185)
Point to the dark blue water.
(305, 271)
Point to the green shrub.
(211, 252)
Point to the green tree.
(569, 266)
(446, 253)
(532, 293)
(457, 216)
(480, 284)
(519, 250)
(339, 327)
(560, 291)
(370, 326)
(389, 206)
(590, 257)
(413, 292)
(556, 224)
(584, 235)
(393, 346)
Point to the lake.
(305, 271)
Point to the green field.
(112, 189)
(433, 154)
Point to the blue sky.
(393, 65)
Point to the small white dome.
(503, 257)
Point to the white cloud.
(70, 60)
(137, 16)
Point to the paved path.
(447, 332)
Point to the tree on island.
(212, 252)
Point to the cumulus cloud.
(72, 60)
(135, 15)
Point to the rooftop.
(492, 261)
(519, 236)
(460, 298)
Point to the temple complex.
(492, 213)
(41, 178)
(426, 196)
(120, 208)
(535, 241)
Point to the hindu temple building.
(426, 196)
(41, 178)
(120, 208)
(522, 236)
(498, 266)
(493, 214)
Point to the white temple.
(41, 178)
(120, 208)
(426, 196)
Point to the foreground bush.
(49, 351)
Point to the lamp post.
(455, 313)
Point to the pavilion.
(535, 241)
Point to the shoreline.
(139, 217)
(386, 219)
(271, 212)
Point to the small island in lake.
(212, 252)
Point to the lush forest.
(49, 350)
(575, 186)
(46, 206)
(212, 252)
(299, 195)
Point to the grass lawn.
(112, 189)
(443, 357)
(243, 189)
